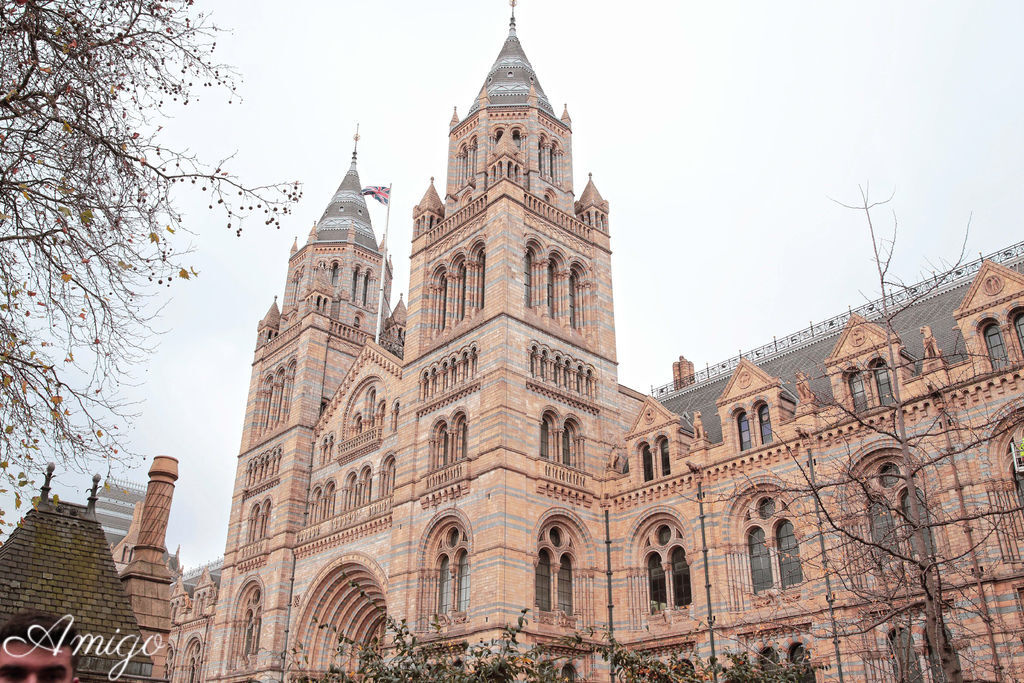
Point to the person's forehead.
(27, 655)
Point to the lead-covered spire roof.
(346, 216)
(510, 78)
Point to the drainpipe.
(830, 597)
(707, 573)
(608, 576)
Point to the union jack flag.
(381, 194)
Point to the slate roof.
(935, 310)
(509, 80)
(346, 216)
(57, 560)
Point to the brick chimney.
(682, 373)
(146, 579)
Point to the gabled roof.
(273, 316)
(58, 561)
(808, 350)
(511, 77)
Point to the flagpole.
(383, 269)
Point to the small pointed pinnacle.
(455, 117)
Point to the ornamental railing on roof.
(196, 571)
(133, 486)
(936, 284)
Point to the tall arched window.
(461, 438)
(462, 581)
(790, 571)
(926, 530)
(542, 581)
(1019, 325)
(681, 591)
(192, 661)
(546, 427)
(648, 462)
(883, 383)
(254, 523)
(252, 617)
(904, 657)
(528, 278)
(334, 273)
(565, 585)
(883, 529)
(743, 427)
(355, 284)
(764, 419)
(444, 586)
(461, 275)
(666, 461)
(569, 673)
(760, 561)
(387, 477)
(441, 445)
(860, 399)
(573, 283)
(482, 286)
(656, 583)
(994, 344)
(366, 285)
(443, 300)
(551, 288)
(567, 444)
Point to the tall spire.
(512, 75)
(346, 216)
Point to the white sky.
(718, 132)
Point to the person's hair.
(19, 625)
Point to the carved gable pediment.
(747, 379)
(860, 337)
(993, 286)
(653, 416)
(372, 359)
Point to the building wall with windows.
(464, 470)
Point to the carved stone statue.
(803, 388)
(620, 463)
(931, 347)
(698, 427)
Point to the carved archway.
(347, 602)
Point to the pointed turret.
(455, 117)
(400, 314)
(295, 245)
(273, 316)
(430, 211)
(592, 208)
(512, 77)
(566, 119)
(346, 216)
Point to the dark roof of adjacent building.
(192, 577)
(807, 350)
(57, 560)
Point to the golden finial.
(355, 147)
(513, 3)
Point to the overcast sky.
(718, 131)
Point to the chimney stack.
(146, 579)
(682, 373)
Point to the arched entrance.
(347, 603)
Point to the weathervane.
(513, 3)
(355, 147)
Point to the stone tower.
(304, 347)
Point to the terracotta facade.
(463, 470)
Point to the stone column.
(146, 579)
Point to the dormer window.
(857, 393)
(995, 346)
(764, 419)
(883, 383)
(743, 426)
(1019, 325)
